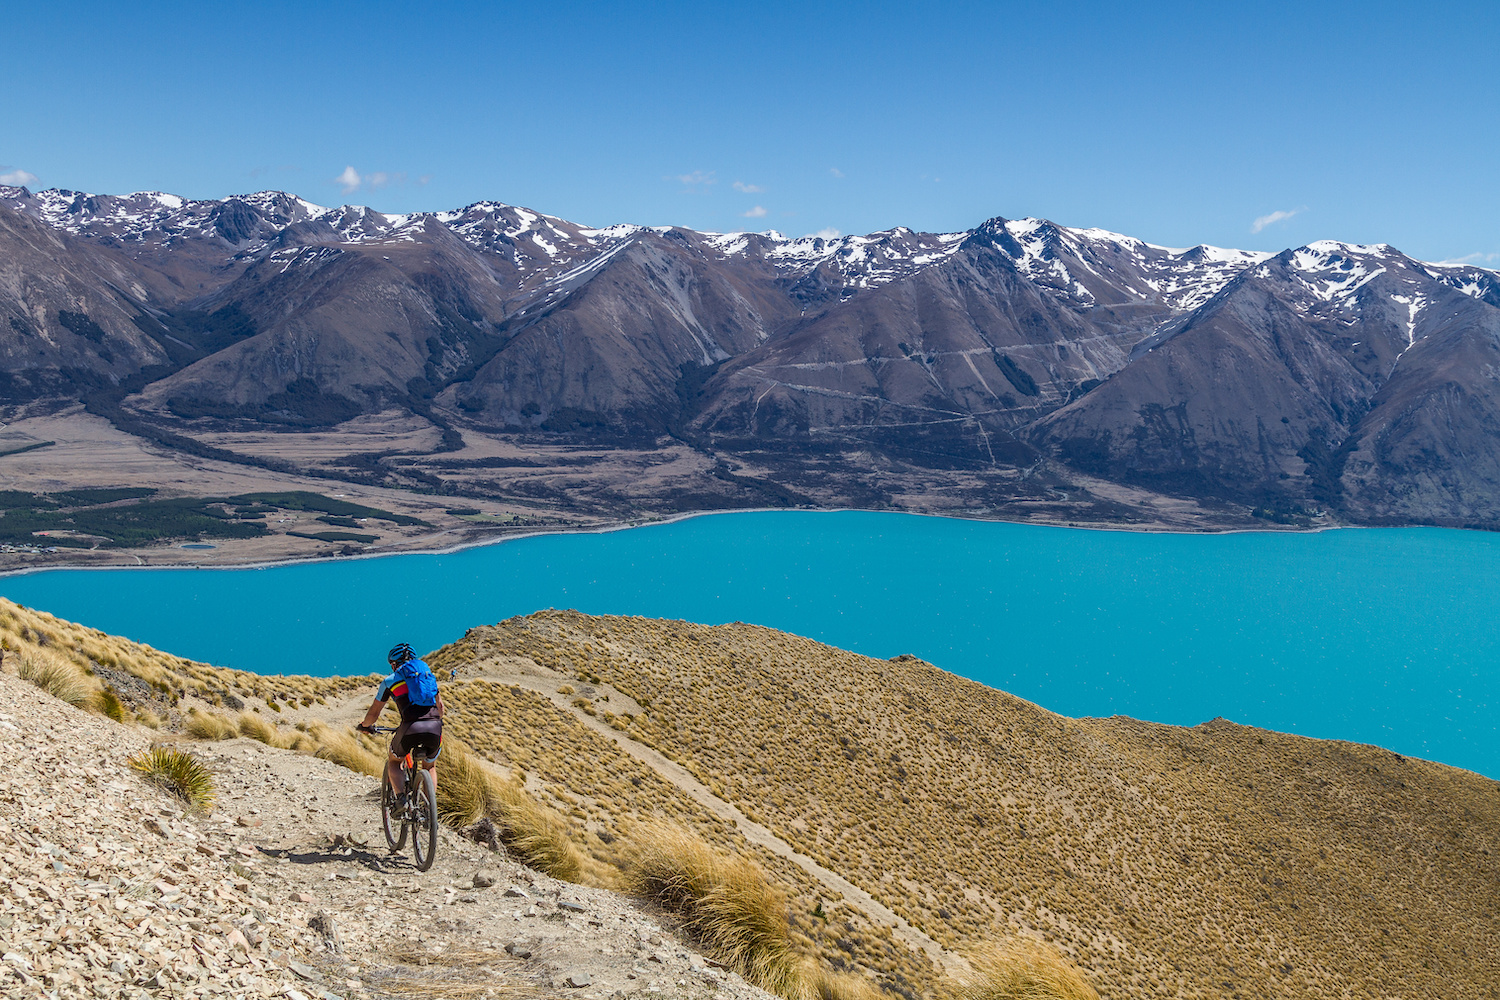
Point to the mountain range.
(1333, 377)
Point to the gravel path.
(285, 890)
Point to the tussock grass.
(822, 984)
(257, 728)
(464, 786)
(180, 773)
(108, 704)
(533, 833)
(208, 726)
(56, 676)
(725, 903)
(1022, 969)
(346, 751)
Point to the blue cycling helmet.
(399, 654)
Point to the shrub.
(724, 902)
(179, 773)
(1022, 969)
(208, 726)
(56, 676)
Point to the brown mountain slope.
(1218, 861)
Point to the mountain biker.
(411, 682)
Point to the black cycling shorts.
(421, 734)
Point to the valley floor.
(497, 488)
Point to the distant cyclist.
(416, 692)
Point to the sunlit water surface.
(1382, 636)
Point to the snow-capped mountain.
(1328, 373)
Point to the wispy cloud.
(698, 180)
(352, 180)
(744, 188)
(1280, 215)
(835, 171)
(17, 177)
(826, 234)
(757, 212)
(1473, 258)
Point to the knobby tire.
(424, 821)
(393, 826)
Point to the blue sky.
(1251, 125)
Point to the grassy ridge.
(1207, 862)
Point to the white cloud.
(18, 178)
(696, 179)
(835, 171)
(744, 188)
(755, 213)
(1279, 215)
(827, 234)
(349, 180)
(1473, 258)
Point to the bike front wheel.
(424, 819)
(393, 825)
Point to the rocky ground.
(285, 889)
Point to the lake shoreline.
(414, 547)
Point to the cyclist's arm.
(373, 715)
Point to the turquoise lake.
(1383, 636)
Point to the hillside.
(908, 817)
(1019, 369)
(1214, 861)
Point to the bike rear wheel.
(391, 823)
(424, 821)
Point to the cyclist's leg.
(393, 763)
(430, 738)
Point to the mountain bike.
(415, 812)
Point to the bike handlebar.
(378, 729)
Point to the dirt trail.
(528, 674)
(108, 888)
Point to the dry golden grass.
(346, 750)
(819, 983)
(534, 833)
(1207, 861)
(257, 728)
(58, 677)
(1022, 969)
(724, 901)
(465, 791)
(209, 726)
